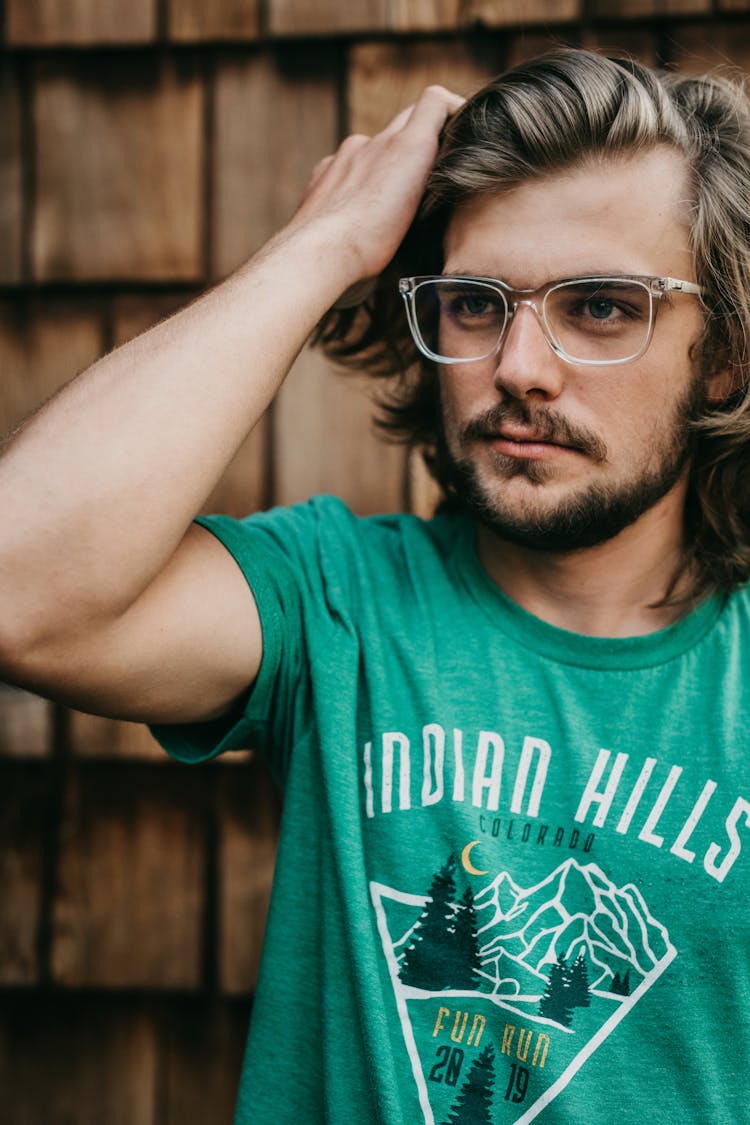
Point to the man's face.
(553, 455)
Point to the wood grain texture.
(94, 737)
(728, 48)
(424, 492)
(325, 441)
(300, 17)
(52, 23)
(202, 1043)
(631, 42)
(249, 812)
(637, 9)
(271, 127)
(119, 155)
(385, 77)
(504, 13)
(81, 1060)
(24, 805)
(11, 176)
(190, 21)
(25, 724)
(296, 17)
(128, 908)
(528, 44)
(43, 344)
(427, 15)
(134, 313)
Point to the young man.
(512, 877)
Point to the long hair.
(543, 117)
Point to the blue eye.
(473, 305)
(601, 308)
(463, 308)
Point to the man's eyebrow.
(460, 272)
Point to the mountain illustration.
(575, 910)
(504, 992)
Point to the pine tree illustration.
(578, 984)
(428, 959)
(473, 1106)
(621, 985)
(467, 966)
(555, 1004)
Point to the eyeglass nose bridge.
(513, 303)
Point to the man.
(512, 877)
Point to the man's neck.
(611, 590)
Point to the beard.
(592, 516)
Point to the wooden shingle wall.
(145, 150)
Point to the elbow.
(32, 654)
(17, 650)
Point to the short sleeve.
(292, 572)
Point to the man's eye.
(474, 306)
(608, 306)
(469, 306)
(601, 308)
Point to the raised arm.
(110, 598)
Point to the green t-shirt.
(512, 881)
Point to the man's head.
(557, 454)
(505, 163)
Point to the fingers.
(318, 171)
(432, 108)
(396, 124)
(370, 188)
(348, 145)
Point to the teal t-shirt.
(512, 880)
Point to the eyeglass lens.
(603, 320)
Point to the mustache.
(545, 425)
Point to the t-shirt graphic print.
(487, 971)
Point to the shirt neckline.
(566, 647)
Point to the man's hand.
(369, 190)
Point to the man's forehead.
(621, 214)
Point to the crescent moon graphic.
(466, 859)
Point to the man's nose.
(526, 364)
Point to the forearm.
(98, 488)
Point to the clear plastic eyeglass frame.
(536, 299)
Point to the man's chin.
(521, 510)
(536, 472)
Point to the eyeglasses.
(599, 321)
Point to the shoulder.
(321, 547)
(328, 520)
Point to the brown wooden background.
(146, 148)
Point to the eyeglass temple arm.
(671, 284)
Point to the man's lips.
(523, 433)
(529, 446)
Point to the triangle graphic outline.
(379, 893)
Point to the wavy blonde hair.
(543, 117)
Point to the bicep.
(183, 652)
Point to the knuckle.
(434, 90)
(353, 140)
